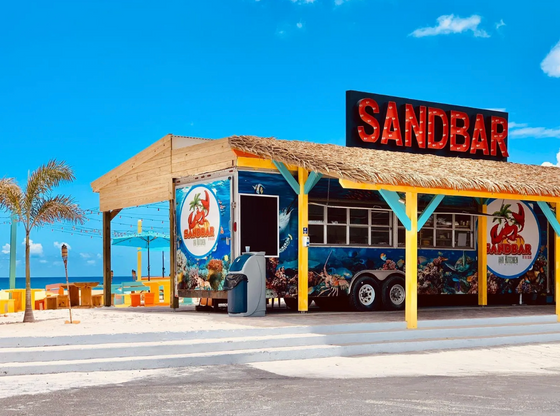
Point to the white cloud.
(303, 1)
(557, 161)
(85, 255)
(551, 64)
(299, 25)
(500, 24)
(513, 125)
(59, 245)
(339, 2)
(6, 248)
(34, 248)
(503, 110)
(99, 256)
(42, 261)
(91, 262)
(448, 24)
(534, 132)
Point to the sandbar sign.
(513, 238)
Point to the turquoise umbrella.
(145, 239)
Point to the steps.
(43, 355)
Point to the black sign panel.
(384, 122)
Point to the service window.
(259, 223)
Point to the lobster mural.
(509, 226)
(199, 211)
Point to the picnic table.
(80, 289)
(154, 286)
(19, 298)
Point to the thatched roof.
(406, 169)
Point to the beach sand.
(113, 321)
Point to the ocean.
(41, 282)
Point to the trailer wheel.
(394, 293)
(291, 303)
(365, 294)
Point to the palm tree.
(36, 207)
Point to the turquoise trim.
(287, 175)
(550, 216)
(392, 199)
(429, 210)
(312, 180)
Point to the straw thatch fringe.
(407, 169)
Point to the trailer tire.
(365, 294)
(291, 303)
(393, 293)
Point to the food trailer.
(419, 203)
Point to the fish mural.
(259, 188)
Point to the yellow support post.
(411, 278)
(303, 252)
(139, 265)
(557, 266)
(482, 258)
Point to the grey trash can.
(236, 285)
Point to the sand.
(112, 321)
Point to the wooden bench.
(97, 300)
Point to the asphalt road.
(243, 390)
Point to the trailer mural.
(203, 234)
(440, 271)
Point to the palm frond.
(44, 178)
(11, 197)
(54, 209)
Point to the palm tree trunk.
(28, 316)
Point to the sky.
(95, 82)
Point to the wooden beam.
(258, 163)
(107, 278)
(482, 233)
(394, 201)
(411, 262)
(557, 266)
(288, 176)
(550, 216)
(174, 301)
(345, 183)
(114, 213)
(313, 179)
(429, 210)
(303, 251)
(146, 154)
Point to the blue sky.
(94, 82)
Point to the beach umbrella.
(163, 250)
(146, 239)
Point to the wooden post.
(482, 258)
(139, 259)
(557, 265)
(411, 255)
(303, 250)
(107, 281)
(174, 301)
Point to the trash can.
(236, 284)
(246, 285)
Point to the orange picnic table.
(19, 298)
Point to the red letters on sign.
(433, 128)
(432, 143)
(412, 123)
(368, 119)
(391, 128)
(498, 137)
(459, 131)
(479, 139)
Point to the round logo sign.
(513, 238)
(200, 221)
